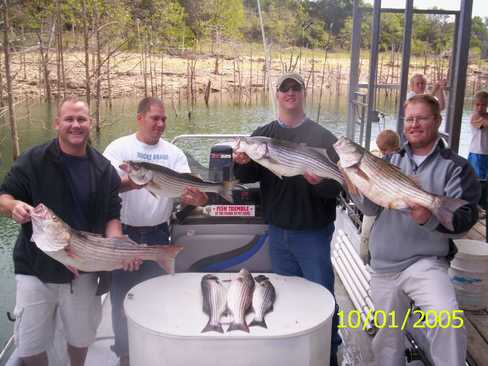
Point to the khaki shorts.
(35, 312)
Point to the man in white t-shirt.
(144, 218)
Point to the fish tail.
(166, 257)
(238, 326)
(258, 323)
(227, 188)
(213, 328)
(445, 210)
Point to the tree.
(206, 17)
(479, 35)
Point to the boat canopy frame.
(456, 79)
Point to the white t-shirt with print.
(139, 207)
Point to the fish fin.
(69, 252)
(167, 255)
(321, 151)
(414, 178)
(87, 235)
(258, 323)
(362, 174)
(238, 326)
(260, 278)
(275, 172)
(192, 177)
(445, 210)
(149, 187)
(405, 210)
(212, 328)
(227, 188)
(125, 167)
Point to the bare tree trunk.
(207, 92)
(59, 54)
(87, 51)
(24, 67)
(39, 76)
(144, 64)
(1, 84)
(322, 81)
(250, 76)
(8, 77)
(109, 81)
(98, 73)
(151, 78)
(161, 88)
(45, 69)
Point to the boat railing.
(209, 136)
(6, 351)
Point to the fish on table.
(214, 302)
(288, 159)
(263, 298)
(165, 182)
(385, 185)
(239, 300)
(90, 252)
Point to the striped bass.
(288, 159)
(164, 182)
(387, 186)
(92, 252)
(263, 298)
(239, 299)
(213, 293)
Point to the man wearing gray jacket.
(409, 250)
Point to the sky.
(480, 7)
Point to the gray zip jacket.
(396, 241)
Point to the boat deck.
(477, 321)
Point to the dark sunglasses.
(285, 87)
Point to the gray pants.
(426, 283)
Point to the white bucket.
(469, 274)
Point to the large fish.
(263, 298)
(92, 252)
(239, 299)
(213, 293)
(287, 159)
(165, 182)
(387, 186)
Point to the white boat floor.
(99, 352)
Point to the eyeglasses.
(419, 119)
(285, 87)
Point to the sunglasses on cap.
(294, 86)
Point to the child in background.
(418, 85)
(388, 142)
(478, 150)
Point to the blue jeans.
(479, 162)
(305, 253)
(123, 281)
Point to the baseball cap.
(294, 76)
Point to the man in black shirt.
(81, 187)
(300, 210)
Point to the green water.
(35, 127)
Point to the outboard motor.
(220, 164)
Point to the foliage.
(171, 23)
(209, 18)
(479, 35)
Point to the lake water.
(34, 125)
